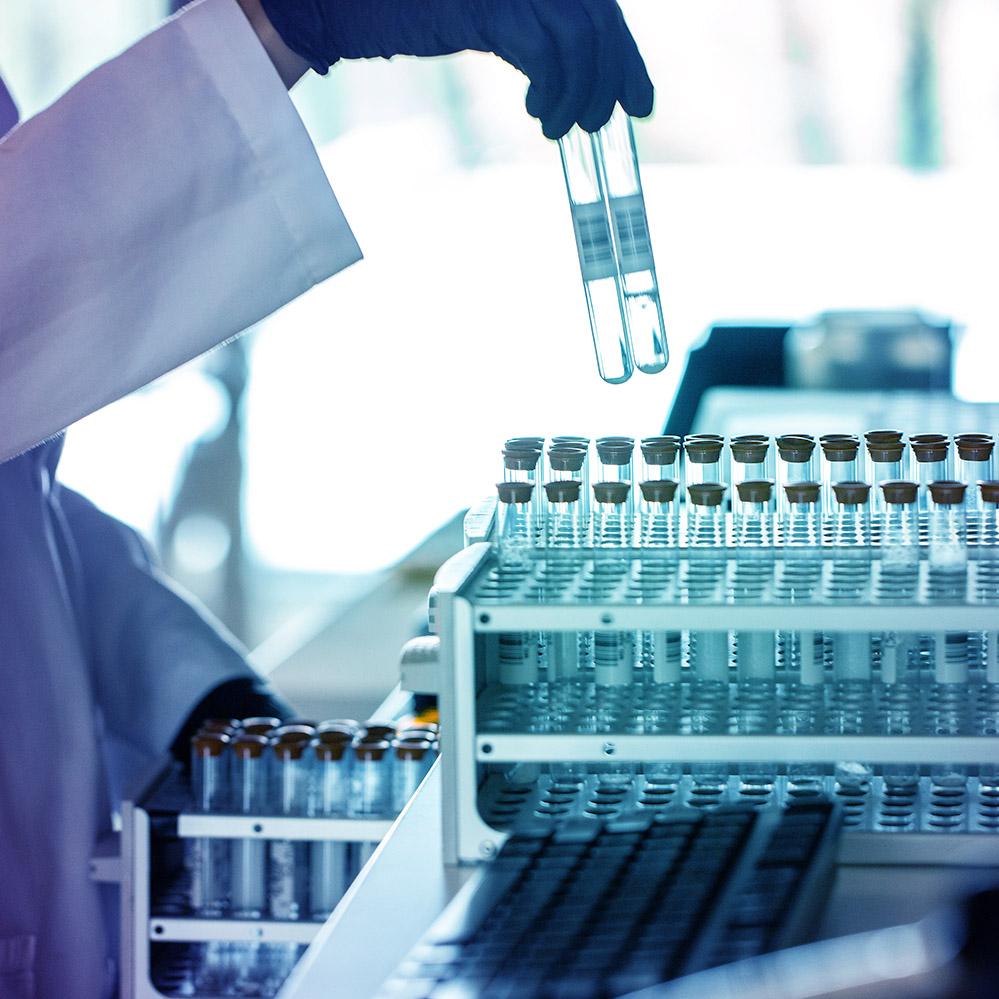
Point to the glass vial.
(591, 215)
(207, 858)
(930, 462)
(617, 158)
(249, 856)
(703, 460)
(566, 535)
(288, 881)
(515, 525)
(661, 458)
(613, 652)
(885, 460)
(796, 463)
(840, 463)
(973, 463)
(328, 859)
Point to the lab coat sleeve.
(165, 203)
(154, 654)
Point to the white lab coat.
(168, 201)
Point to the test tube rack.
(543, 749)
(156, 927)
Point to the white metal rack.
(474, 601)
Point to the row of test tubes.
(615, 250)
(655, 477)
(259, 767)
(933, 683)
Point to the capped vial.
(250, 797)
(703, 459)
(615, 463)
(706, 515)
(974, 463)
(413, 760)
(751, 462)
(206, 858)
(885, 460)
(930, 463)
(801, 524)
(796, 462)
(661, 458)
(288, 876)
(841, 462)
(259, 725)
(565, 514)
(659, 514)
(753, 523)
(371, 780)
(329, 859)
(515, 524)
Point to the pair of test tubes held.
(615, 250)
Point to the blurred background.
(803, 156)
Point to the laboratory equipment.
(207, 907)
(615, 250)
(792, 654)
(603, 908)
(795, 463)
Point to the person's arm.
(149, 644)
(164, 204)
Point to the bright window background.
(803, 155)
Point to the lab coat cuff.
(281, 150)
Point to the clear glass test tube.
(330, 794)
(840, 463)
(206, 858)
(751, 462)
(515, 524)
(525, 463)
(661, 458)
(899, 575)
(413, 759)
(930, 462)
(988, 541)
(801, 527)
(659, 528)
(617, 158)
(371, 780)
(288, 881)
(616, 463)
(885, 459)
(973, 464)
(852, 534)
(566, 535)
(249, 856)
(567, 462)
(703, 461)
(948, 580)
(598, 263)
(613, 652)
(795, 463)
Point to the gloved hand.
(578, 54)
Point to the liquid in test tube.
(328, 859)
(249, 856)
(288, 883)
(615, 251)
(207, 858)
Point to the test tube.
(226, 726)
(948, 558)
(899, 575)
(206, 858)
(659, 514)
(588, 201)
(349, 725)
(328, 859)
(568, 463)
(709, 649)
(703, 460)
(660, 528)
(617, 158)
(802, 528)
(755, 650)
(288, 881)
(566, 534)
(613, 652)
(615, 463)
(524, 464)
(413, 759)
(371, 780)
(661, 458)
(988, 541)
(974, 463)
(796, 454)
(852, 649)
(259, 725)
(249, 856)
(930, 462)
(515, 525)
(885, 462)
(750, 463)
(840, 463)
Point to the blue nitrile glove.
(578, 54)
